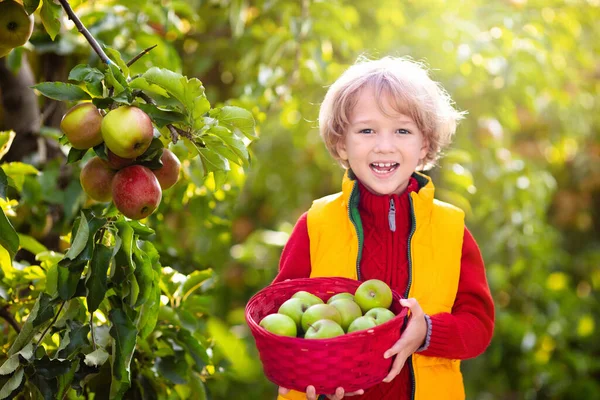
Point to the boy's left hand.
(412, 338)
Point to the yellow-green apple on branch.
(81, 124)
(380, 315)
(96, 179)
(127, 131)
(323, 329)
(279, 324)
(136, 191)
(168, 174)
(373, 293)
(15, 25)
(320, 311)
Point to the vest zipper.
(352, 206)
(392, 215)
(412, 231)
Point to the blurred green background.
(524, 165)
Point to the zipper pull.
(392, 215)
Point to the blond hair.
(413, 92)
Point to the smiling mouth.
(383, 168)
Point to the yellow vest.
(435, 249)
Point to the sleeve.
(295, 258)
(467, 330)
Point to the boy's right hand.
(311, 393)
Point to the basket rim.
(254, 325)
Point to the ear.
(341, 149)
(424, 148)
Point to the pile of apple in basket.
(306, 315)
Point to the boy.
(383, 120)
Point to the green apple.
(4, 51)
(323, 329)
(380, 315)
(279, 324)
(81, 125)
(168, 174)
(294, 308)
(373, 293)
(344, 295)
(349, 311)
(96, 179)
(136, 191)
(308, 297)
(362, 323)
(127, 131)
(15, 25)
(320, 311)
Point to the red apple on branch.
(136, 191)
(96, 179)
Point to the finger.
(283, 390)
(339, 393)
(395, 349)
(311, 393)
(413, 305)
(396, 368)
(357, 393)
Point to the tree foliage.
(525, 166)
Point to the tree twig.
(175, 132)
(81, 28)
(146, 51)
(5, 314)
(92, 330)
(51, 324)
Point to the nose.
(384, 143)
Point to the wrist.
(427, 339)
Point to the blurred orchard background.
(524, 165)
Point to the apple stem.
(145, 51)
(82, 29)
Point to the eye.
(403, 132)
(367, 131)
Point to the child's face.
(382, 150)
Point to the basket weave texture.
(353, 361)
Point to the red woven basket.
(353, 361)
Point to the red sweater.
(462, 334)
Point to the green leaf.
(12, 384)
(144, 275)
(161, 117)
(42, 311)
(8, 236)
(150, 310)
(17, 172)
(80, 240)
(235, 143)
(193, 348)
(195, 280)
(51, 369)
(152, 153)
(68, 279)
(31, 245)
(212, 161)
(214, 143)
(50, 14)
(126, 234)
(62, 91)
(65, 380)
(145, 86)
(141, 230)
(236, 118)
(96, 282)
(3, 184)
(31, 6)
(75, 155)
(174, 368)
(115, 79)
(124, 333)
(96, 358)
(6, 139)
(92, 77)
(189, 92)
(10, 365)
(234, 349)
(74, 339)
(197, 386)
(115, 56)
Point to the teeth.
(383, 165)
